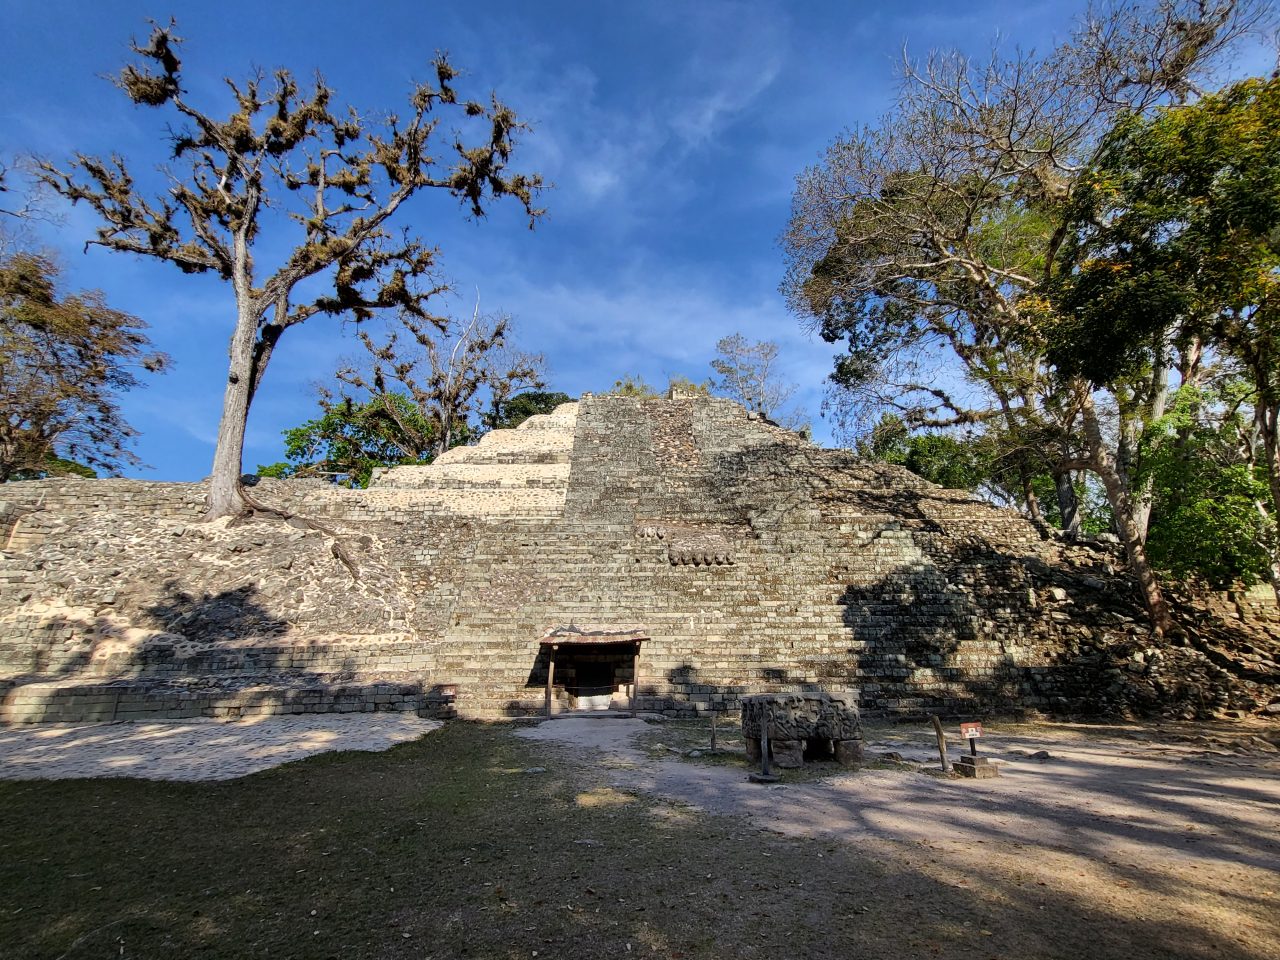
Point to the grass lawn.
(446, 847)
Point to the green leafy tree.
(979, 463)
(924, 243)
(1208, 519)
(64, 361)
(940, 458)
(284, 170)
(349, 440)
(446, 370)
(513, 411)
(1175, 241)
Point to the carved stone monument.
(811, 725)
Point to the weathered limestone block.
(849, 752)
(979, 768)
(788, 754)
(816, 722)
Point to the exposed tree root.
(255, 509)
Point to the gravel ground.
(1146, 824)
(193, 749)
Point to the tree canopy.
(285, 168)
(748, 373)
(926, 244)
(940, 458)
(349, 440)
(1174, 245)
(450, 372)
(64, 361)
(509, 413)
(1176, 234)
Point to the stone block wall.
(755, 561)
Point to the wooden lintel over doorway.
(579, 638)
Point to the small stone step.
(229, 697)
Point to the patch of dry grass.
(451, 847)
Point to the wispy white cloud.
(737, 52)
(658, 327)
(629, 150)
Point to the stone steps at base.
(104, 699)
(161, 658)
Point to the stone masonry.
(755, 561)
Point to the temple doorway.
(591, 669)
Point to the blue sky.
(672, 132)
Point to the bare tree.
(749, 374)
(446, 374)
(511, 370)
(926, 240)
(23, 203)
(286, 156)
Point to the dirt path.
(1143, 828)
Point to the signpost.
(973, 765)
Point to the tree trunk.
(1155, 410)
(1029, 495)
(1068, 503)
(224, 486)
(446, 434)
(1118, 495)
(1274, 568)
(1267, 417)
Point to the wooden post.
(714, 747)
(764, 744)
(942, 744)
(635, 677)
(551, 674)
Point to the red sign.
(970, 730)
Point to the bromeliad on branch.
(284, 155)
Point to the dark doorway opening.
(818, 749)
(591, 668)
(597, 678)
(594, 677)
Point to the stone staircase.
(520, 473)
(111, 699)
(95, 675)
(84, 668)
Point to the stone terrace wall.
(756, 561)
(760, 563)
(116, 602)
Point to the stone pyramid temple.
(668, 555)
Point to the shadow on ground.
(459, 846)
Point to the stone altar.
(810, 725)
